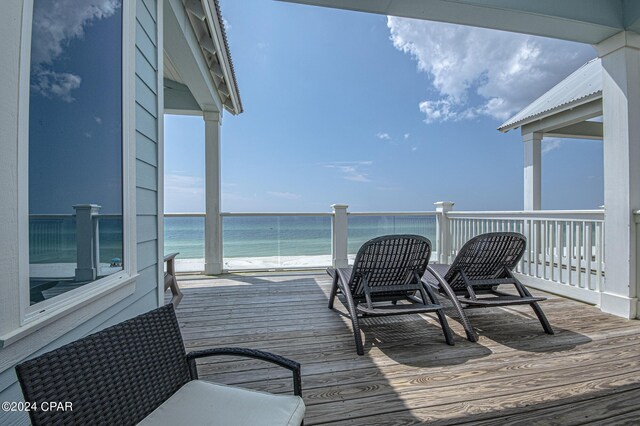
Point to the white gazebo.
(613, 28)
(565, 111)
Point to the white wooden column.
(212, 221)
(621, 116)
(340, 236)
(532, 171)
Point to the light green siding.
(146, 173)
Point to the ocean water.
(53, 240)
(251, 236)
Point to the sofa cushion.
(204, 403)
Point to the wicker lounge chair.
(472, 280)
(386, 270)
(138, 372)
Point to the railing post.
(87, 242)
(339, 236)
(443, 233)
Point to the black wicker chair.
(121, 374)
(386, 270)
(482, 264)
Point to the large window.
(75, 145)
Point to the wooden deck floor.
(588, 373)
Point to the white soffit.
(584, 85)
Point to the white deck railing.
(565, 250)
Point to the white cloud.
(383, 136)
(51, 84)
(98, 120)
(352, 170)
(550, 144)
(227, 25)
(285, 195)
(55, 23)
(480, 72)
(406, 135)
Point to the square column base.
(625, 307)
(85, 274)
(213, 268)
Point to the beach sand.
(260, 263)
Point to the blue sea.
(53, 240)
(251, 236)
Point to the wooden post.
(339, 236)
(443, 233)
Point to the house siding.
(146, 141)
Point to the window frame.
(104, 292)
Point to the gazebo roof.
(582, 86)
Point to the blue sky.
(383, 114)
(75, 123)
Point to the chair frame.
(121, 374)
(361, 304)
(466, 297)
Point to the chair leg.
(468, 329)
(450, 294)
(351, 306)
(334, 289)
(535, 306)
(448, 336)
(543, 319)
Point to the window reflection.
(75, 145)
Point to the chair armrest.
(283, 362)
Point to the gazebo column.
(621, 114)
(532, 170)
(212, 221)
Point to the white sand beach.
(260, 263)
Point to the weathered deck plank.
(589, 372)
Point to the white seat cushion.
(204, 403)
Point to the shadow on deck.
(589, 372)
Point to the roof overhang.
(587, 107)
(197, 59)
(577, 97)
(206, 19)
(585, 21)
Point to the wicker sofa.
(139, 372)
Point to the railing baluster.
(579, 241)
(544, 249)
(536, 247)
(570, 247)
(527, 230)
(561, 226)
(587, 254)
(599, 251)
